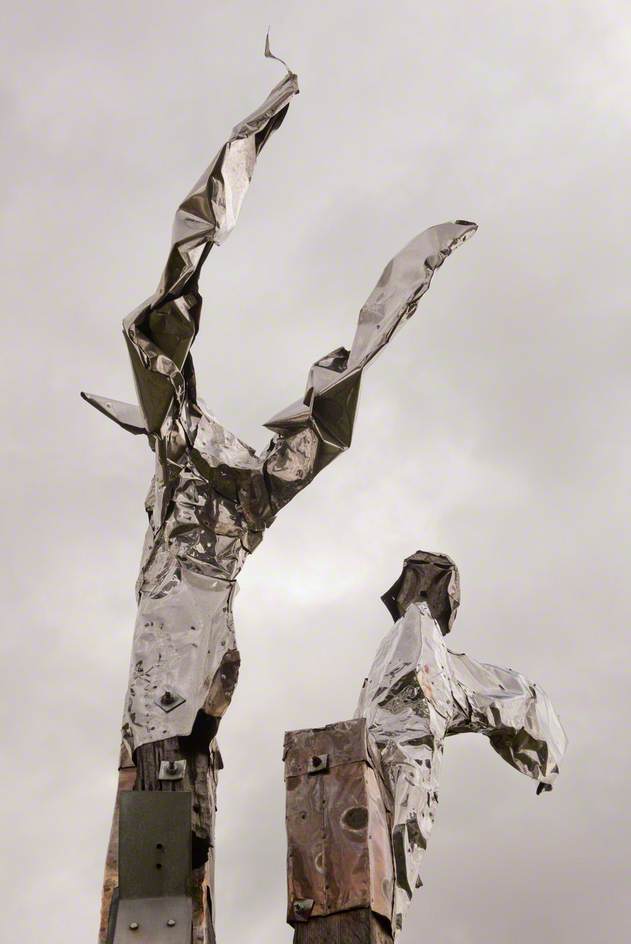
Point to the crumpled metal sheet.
(328, 406)
(213, 496)
(433, 576)
(160, 332)
(338, 838)
(418, 692)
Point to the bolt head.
(171, 923)
(133, 925)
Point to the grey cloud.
(500, 415)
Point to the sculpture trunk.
(359, 926)
(340, 870)
(197, 776)
(126, 780)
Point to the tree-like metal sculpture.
(362, 794)
(213, 496)
(418, 692)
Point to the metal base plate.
(172, 770)
(170, 700)
(154, 921)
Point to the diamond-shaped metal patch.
(318, 764)
(169, 700)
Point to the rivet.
(171, 923)
(133, 925)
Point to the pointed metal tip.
(126, 415)
(270, 55)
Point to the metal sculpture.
(417, 693)
(213, 496)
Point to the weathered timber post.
(340, 875)
(126, 780)
(175, 765)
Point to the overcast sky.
(494, 428)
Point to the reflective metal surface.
(154, 921)
(418, 692)
(213, 496)
(154, 844)
(154, 868)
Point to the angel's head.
(430, 577)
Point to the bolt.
(172, 767)
(171, 923)
(167, 698)
(133, 926)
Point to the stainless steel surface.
(418, 692)
(154, 921)
(169, 700)
(172, 770)
(154, 844)
(154, 904)
(213, 496)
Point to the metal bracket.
(318, 764)
(154, 921)
(172, 770)
(154, 869)
(170, 700)
(303, 909)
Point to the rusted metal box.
(338, 842)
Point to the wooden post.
(340, 872)
(359, 926)
(200, 752)
(126, 780)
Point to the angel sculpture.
(418, 692)
(212, 495)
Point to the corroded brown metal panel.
(338, 841)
